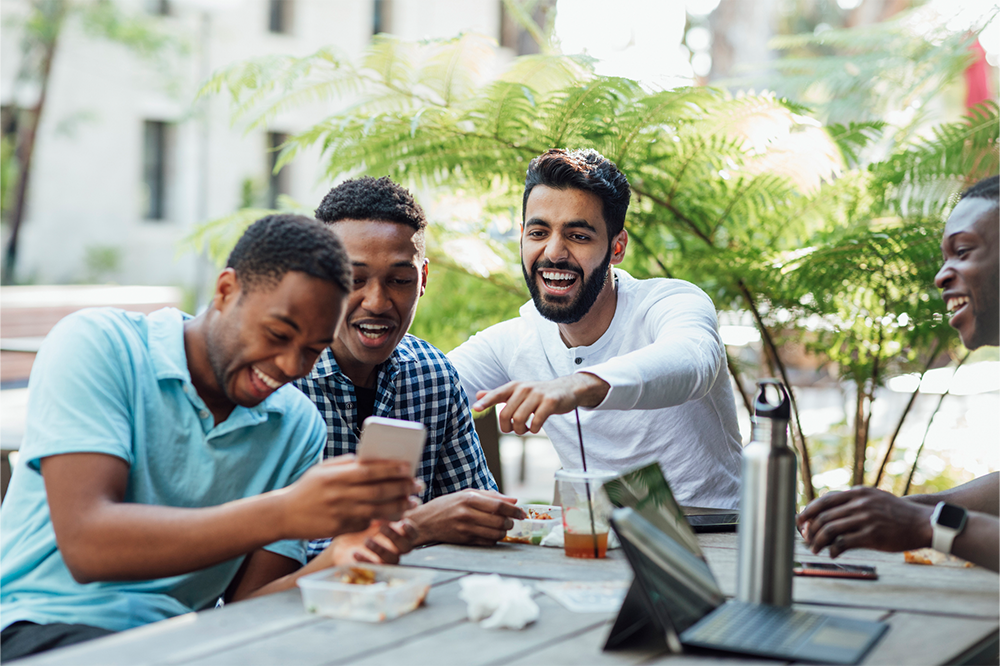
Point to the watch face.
(951, 516)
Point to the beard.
(557, 308)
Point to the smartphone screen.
(834, 570)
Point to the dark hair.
(585, 170)
(368, 198)
(987, 188)
(277, 244)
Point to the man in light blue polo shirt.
(146, 485)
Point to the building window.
(277, 183)
(155, 159)
(382, 16)
(158, 7)
(279, 16)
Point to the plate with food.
(369, 592)
(542, 518)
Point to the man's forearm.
(979, 542)
(124, 541)
(982, 494)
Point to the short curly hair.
(278, 244)
(586, 170)
(380, 199)
(987, 188)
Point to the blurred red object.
(977, 78)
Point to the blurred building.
(126, 161)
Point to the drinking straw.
(586, 481)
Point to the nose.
(555, 249)
(944, 276)
(293, 364)
(375, 299)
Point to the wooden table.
(937, 615)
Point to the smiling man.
(962, 520)
(643, 357)
(375, 367)
(165, 461)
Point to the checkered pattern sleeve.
(429, 391)
(463, 463)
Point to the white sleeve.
(481, 361)
(680, 364)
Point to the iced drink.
(586, 511)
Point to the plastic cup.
(586, 511)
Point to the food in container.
(369, 593)
(540, 521)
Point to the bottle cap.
(764, 409)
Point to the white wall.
(86, 186)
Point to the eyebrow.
(575, 224)
(398, 264)
(292, 323)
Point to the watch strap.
(942, 536)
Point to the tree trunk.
(805, 466)
(860, 434)
(26, 144)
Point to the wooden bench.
(29, 313)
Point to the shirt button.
(203, 414)
(578, 361)
(350, 405)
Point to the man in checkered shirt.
(374, 367)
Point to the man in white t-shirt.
(643, 358)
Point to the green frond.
(853, 138)
(919, 179)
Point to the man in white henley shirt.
(642, 357)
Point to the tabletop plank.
(333, 641)
(583, 647)
(187, 637)
(521, 560)
(910, 587)
(469, 643)
(919, 638)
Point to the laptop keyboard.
(753, 628)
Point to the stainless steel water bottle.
(767, 507)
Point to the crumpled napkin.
(505, 604)
(554, 539)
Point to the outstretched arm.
(529, 404)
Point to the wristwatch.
(947, 522)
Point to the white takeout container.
(397, 591)
(533, 530)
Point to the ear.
(424, 272)
(227, 289)
(618, 246)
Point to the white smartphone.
(392, 439)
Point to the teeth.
(956, 302)
(270, 383)
(552, 275)
(373, 331)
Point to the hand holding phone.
(392, 439)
